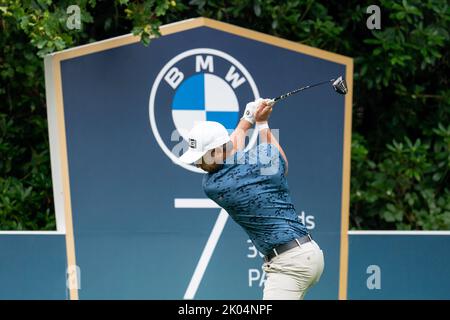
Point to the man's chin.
(211, 168)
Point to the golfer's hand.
(263, 110)
(249, 112)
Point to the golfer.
(251, 186)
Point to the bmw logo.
(197, 85)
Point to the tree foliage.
(401, 128)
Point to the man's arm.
(262, 115)
(265, 135)
(239, 134)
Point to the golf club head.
(340, 86)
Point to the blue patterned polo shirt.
(252, 187)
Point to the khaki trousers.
(292, 273)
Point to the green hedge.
(401, 128)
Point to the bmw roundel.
(197, 85)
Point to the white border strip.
(31, 232)
(206, 255)
(194, 203)
(56, 170)
(88, 45)
(399, 233)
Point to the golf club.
(338, 84)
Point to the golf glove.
(250, 109)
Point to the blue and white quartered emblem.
(197, 85)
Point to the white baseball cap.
(204, 136)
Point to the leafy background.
(401, 128)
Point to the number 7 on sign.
(208, 250)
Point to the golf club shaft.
(283, 96)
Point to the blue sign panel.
(399, 266)
(32, 266)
